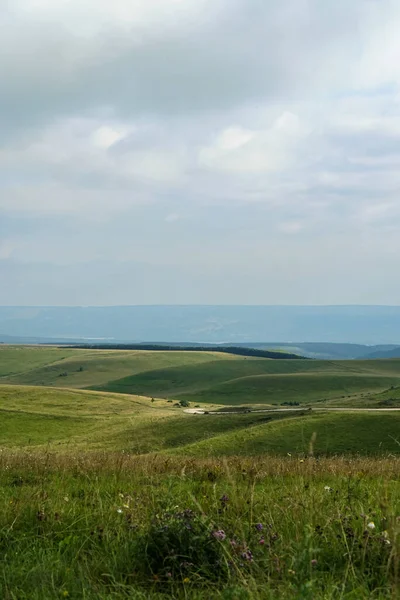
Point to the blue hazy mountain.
(270, 325)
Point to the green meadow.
(200, 377)
(110, 489)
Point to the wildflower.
(301, 460)
(224, 499)
(120, 511)
(66, 499)
(186, 580)
(247, 555)
(314, 562)
(259, 527)
(262, 541)
(328, 489)
(385, 536)
(291, 572)
(65, 594)
(185, 564)
(219, 535)
(169, 575)
(318, 529)
(371, 525)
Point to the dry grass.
(152, 464)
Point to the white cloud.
(93, 17)
(104, 137)
(244, 151)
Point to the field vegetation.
(201, 377)
(118, 493)
(114, 526)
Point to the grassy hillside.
(34, 417)
(137, 413)
(75, 368)
(75, 419)
(23, 359)
(367, 434)
(277, 389)
(258, 381)
(191, 378)
(201, 377)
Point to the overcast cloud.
(199, 151)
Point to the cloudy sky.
(199, 151)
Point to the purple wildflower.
(259, 526)
(247, 555)
(219, 535)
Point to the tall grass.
(105, 525)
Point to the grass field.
(33, 417)
(202, 377)
(75, 368)
(256, 381)
(109, 526)
(366, 434)
(137, 413)
(117, 493)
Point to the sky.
(199, 152)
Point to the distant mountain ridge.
(320, 331)
(382, 353)
(318, 350)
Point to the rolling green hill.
(325, 434)
(260, 381)
(201, 377)
(127, 400)
(76, 368)
(37, 417)
(303, 388)
(34, 417)
(23, 359)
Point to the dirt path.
(199, 411)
